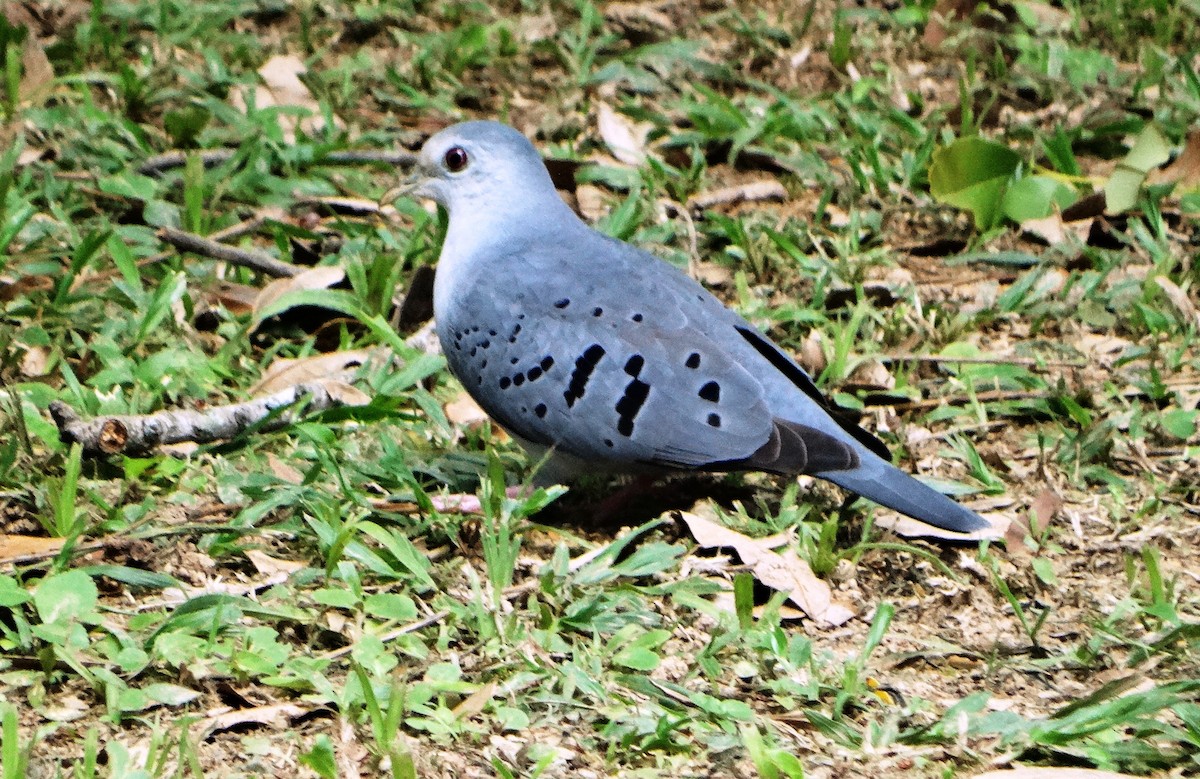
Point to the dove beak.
(409, 185)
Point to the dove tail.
(889, 486)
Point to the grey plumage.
(577, 342)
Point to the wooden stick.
(246, 258)
(139, 434)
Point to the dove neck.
(476, 237)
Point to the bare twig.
(1032, 362)
(246, 258)
(135, 434)
(391, 635)
(244, 227)
(160, 163)
(351, 206)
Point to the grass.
(293, 601)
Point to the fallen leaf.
(37, 73)
(321, 277)
(1179, 299)
(285, 372)
(34, 361)
(1054, 230)
(277, 714)
(767, 190)
(1053, 773)
(281, 87)
(17, 548)
(913, 528)
(1184, 170)
(344, 393)
(871, 375)
(237, 299)
(464, 412)
(1043, 509)
(625, 139)
(713, 274)
(273, 566)
(591, 201)
(784, 571)
(475, 702)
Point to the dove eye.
(456, 159)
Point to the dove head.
(485, 171)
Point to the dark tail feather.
(889, 486)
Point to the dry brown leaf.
(784, 571)
(237, 299)
(38, 74)
(640, 16)
(914, 528)
(1054, 230)
(344, 393)
(871, 374)
(273, 566)
(1179, 299)
(284, 373)
(625, 139)
(15, 548)
(464, 412)
(34, 362)
(767, 190)
(591, 202)
(1184, 170)
(277, 714)
(282, 87)
(283, 471)
(321, 277)
(1053, 773)
(812, 353)
(1044, 508)
(475, 702)
(713, 274)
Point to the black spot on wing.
(714, 420)
(630, 404)
(710, 392)
(634, 365)
(784, 365)
(584, 365)
(693, 360)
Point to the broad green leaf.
(1150, 149)
(1180, 423)
(973, 173)
(1035, 197)
(69, 596)
(390, 605)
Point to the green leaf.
(389, 605)
(130, 185)
(1044, 570)
(66, 597)
(1150, 149)
(973, 173)
(170, 694)
(1035, 197)
(335, 597)
(11, 593)
(134, 577)
(321, 758)
(1180, 423)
